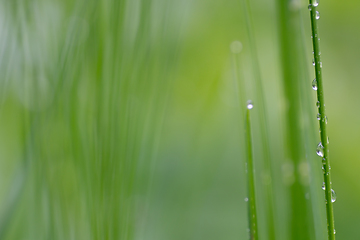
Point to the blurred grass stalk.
(291, 47)
(90, 82)
(89, 88)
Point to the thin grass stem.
(314, 16)
(250, 178)
(263, 122)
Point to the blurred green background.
(121, 120)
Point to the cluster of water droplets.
(333, 194)
(314, 84)
(317, 16)
(325, 119)
(320, 153)
(318, 116)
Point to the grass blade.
(314, 16)
(300, 222)
(263, 123)
(250, 178)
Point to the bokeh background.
(124, 119)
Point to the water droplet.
(320, 64)
(249, 105)
(246, 199)
(320, 150)
(316, 3)
(328, 140)
(314, 84)
(318, 116)
(323, 169)
(236, 47)
(318, 104)
(323, 186)
(324, 161)
(309, 7)
(326, 119)
(317, 16)
(313, 61)
(333, 195)
(334, 231)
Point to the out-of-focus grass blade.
(300, 212)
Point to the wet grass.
(118, 121)
(323, 146)
(250, 172)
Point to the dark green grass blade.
(251, 182)
(323, 121)
(263, 123)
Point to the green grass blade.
(310, 136)
(314, 16)
(290, 49)
(250, 178)
(263, 123)
(12, 201)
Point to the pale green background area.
(189, 133)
